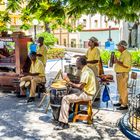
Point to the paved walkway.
(22, 121)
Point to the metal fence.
(134, 112)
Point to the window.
(64, 42)
(96, 23)
(106, 24)
(73, 43)
(84, 22)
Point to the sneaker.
(31, 99)
(118, 104)
(122, 108)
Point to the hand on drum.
(66, 78)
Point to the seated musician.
(87, 87)
(36, 75)
(93, 60)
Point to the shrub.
(55, 53)
(105, 55)
(49, 39)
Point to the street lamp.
(109, 23)
(35, 23)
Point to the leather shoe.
(31, 99)
(20, 96)
(122, 108)
(118, 104)
(97, 99)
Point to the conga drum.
(56, 95)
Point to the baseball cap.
(94, 39)
(122, 43)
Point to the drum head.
(59, 85)
(22, 84)
(27, 84)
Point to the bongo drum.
(22, 84)
(27, 84)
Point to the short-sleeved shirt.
(43, 51)
(37, 67)
(126, 59)
(93, 54)
(88, 78)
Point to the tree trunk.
(47, 28)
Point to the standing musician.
(42, 51)
(122, 69)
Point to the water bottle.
(27, 92)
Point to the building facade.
(93, 25)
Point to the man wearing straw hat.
(93, 59)
(122, 69)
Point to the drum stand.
(56, 63)
(47, 93)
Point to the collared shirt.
(93, 54)
(43, 51)
(126, 59)
(88, 77)
(37, 67)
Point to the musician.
(87, 86)
(122, 69)
(93, 55)
(93, 60)
(42, 51)
(36, 75)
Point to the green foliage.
(105, 55)
(14, 5)
(119, 9)
(55, 53)
(135, 57)
(4, 17)
(49, 38)
(25, 26)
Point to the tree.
(119, 9)
(56, 13)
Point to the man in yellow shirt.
(122, 69)
(93, 59)
(42, 51)
(35, 76)
(87, 86)
(93, 55)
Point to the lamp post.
(35, 23)
(109, 24)
(109, 32)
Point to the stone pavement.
(22, 121)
